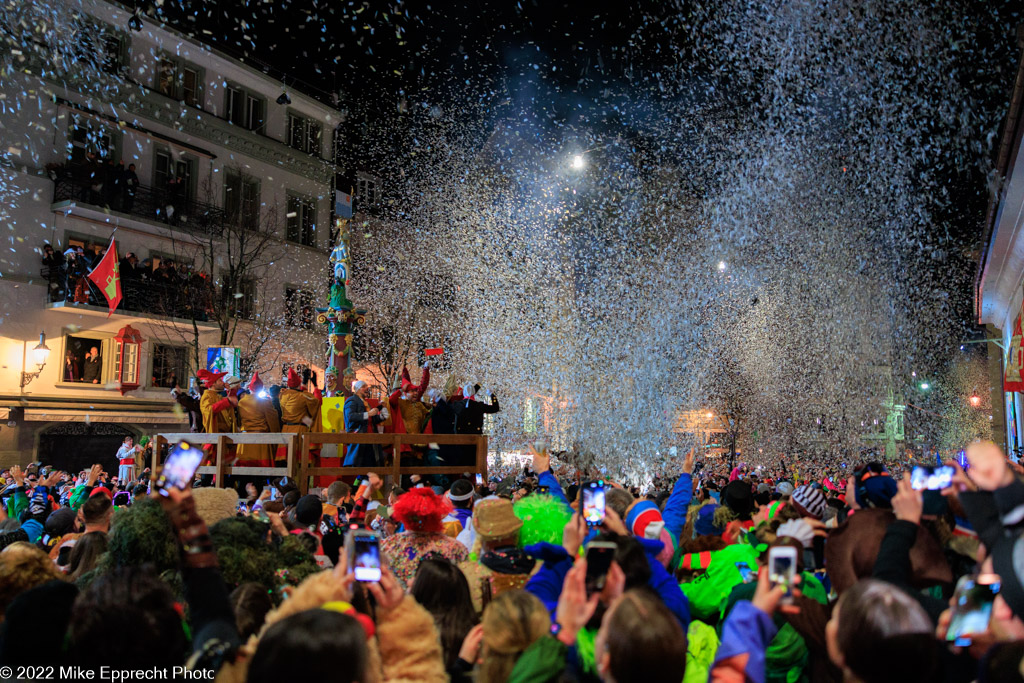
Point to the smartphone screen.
(593, 503)
(599, 560)
(973, 608)
(181, 465)
(931, 478)
(479, 479)
(365, 559)
(782, 569)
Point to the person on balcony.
(256, 415)
(299, 409)
(131, 184)
(53, 267)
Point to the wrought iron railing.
(171, 208)
(186, 298)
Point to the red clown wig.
(421, 510)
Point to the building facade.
(216, 178)
(999, 284)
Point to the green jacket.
(17, 503)
(709, 591)
(786, 656)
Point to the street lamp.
(975, 399)
(925, 386)
(721, 266)
(40, 354)
(578, 162)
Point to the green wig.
(544, 518)
(142, 534)
(244, 554)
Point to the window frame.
(180, 66)
(106, 345)
(248, 99)
(303, 202)
(245, 182)
(150, 384)
(299, 308)
(308, 125)
(75, 121)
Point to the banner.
(107, 277)
(1012, 380)
(224, 359)
(342, 204)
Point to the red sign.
(433, 352)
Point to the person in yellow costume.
(218, 411)
(300, 410)
(256, 415)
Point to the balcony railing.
(149, 203)
(189, 298)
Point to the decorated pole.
(340, 316)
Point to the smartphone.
(782, 569)
(179, 468)
(972, 607)
(746, 573)
(931, 477)
(599, 560)
(479, 479)
(363, 549)
(593, 502)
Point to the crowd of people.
(160, 285)
(490, 581)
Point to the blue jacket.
(676, 506)
(546, 584)
(555, 489)
(745, 637)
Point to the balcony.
(151, 204)
(186, 297)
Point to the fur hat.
(420, 509)
(852, 549)
(213, 504)
(810, 501)
(293, 380)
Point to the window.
(170, 365)
(242, 301)
(84, 360)
(244, 109)
(366, 193)
(115, 56)
(298, 308)
(242, 199)
(301, 221)
(304, 134)
(88, 135)
(167, 168)
(178, 80)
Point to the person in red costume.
(300, 410)
(406, 403)
(218, 411)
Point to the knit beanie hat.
(705, 522)
(810, 501)
(643, 519)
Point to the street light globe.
(41, 353)
(578, 162)
(925, 386)
(975, 399)
(721, 266)
(710, 415)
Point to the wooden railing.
(299, 465)
(220, 468)
(394, 468)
